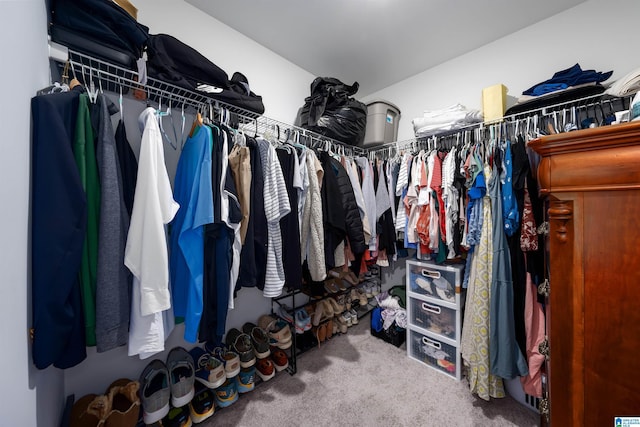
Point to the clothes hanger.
(161, 114)
(120, 103)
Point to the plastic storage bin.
(435, 281)
(433, 317)
(434, 353)
(382, 123)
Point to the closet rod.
(113, 77)
(512, 118)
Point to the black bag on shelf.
(333, 112)
(98, 28)
(172, 61)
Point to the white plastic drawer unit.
(440, 282)
(434, 318)
(434, 353)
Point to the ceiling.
(377, 42)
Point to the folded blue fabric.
(570, 77)
(548, 88)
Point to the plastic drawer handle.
(431, 308)
(431, 273)
(433, 344)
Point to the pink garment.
(534, 327)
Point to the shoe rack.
(326, 311)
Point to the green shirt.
(85, 154)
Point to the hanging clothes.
(312, 239)
(276, 204)
(146, 253)
(113, 304)
(289, 226)
(506, 359)
(85, 155)
(58, 227)
(253, 256)
(193, 192)
(475, 340)
(128, 166)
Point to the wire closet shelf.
(559, 113)
(114, 78)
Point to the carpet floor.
(358, 379)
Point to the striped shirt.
(276, 206)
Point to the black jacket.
(339, 210)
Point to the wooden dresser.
(592, 181)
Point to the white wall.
(29, 397)
(598, 35)
(283, 87)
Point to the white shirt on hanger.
(146, 253)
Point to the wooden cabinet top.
(600, 159)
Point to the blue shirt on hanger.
(193, 191)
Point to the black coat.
(339, 210)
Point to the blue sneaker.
(247, 380)
(209, 370)
(227, 393)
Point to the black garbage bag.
(333, 112)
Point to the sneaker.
(265, 368)
(209, 370)
(246, 379)
(354, 316)
(244, 347)
(285, 312)
(259, 338)
(278, 331)
(177, 417)
(303, 321)
(202, 406)
(279, 359)
(182, 375)
(231, 362)
(154, 391)
(227, 393)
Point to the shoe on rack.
(209, 369)
(280, 359)
(227, 393)
(354, 316)
(177, 417)
(346, 316)
(124, 401)
(244, 347)
(329, 328)
(341, 324)
(318, 313)
(155, 392)
(337, 308)
(303, 321)
(259, 338)
(265, 369)
(328, 308)
(181, 376)
(342, 286)
(331, 287)
(246, 379)
(202, 406)
(285, 312)
(229, 358)
(367, 287)
(278, 331)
